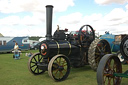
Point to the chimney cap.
(49, 6)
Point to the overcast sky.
(27, 17)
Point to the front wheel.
(59, 67)
(33, 62)
(108, 66)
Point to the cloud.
(36, 19)
(14, 6)
(36, 7)
(92, 18)
(30, 21)
(14, 25)
(116, 21)
(23, 31)
(105, 2)
(115, 24)
(10, 20)
(126, 6)
(116, 14)
(73, 18)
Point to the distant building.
(1, 35)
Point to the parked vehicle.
(33, 43)
(36, 45)
(7, 43)
(114, 41)
(109, 71)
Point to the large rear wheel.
(59, 67)
(97, 49)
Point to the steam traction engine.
(109, 71)
(62, 50)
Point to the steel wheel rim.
(32, 64)
(111, 68)
(59, 68)
(124, 47)
(102, 48)
(109, 65)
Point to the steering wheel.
(86, 35)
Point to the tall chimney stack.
(49, 22)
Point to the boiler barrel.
(52, 48)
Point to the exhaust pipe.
(49, 22)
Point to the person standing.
(16, 47)
(16, 52)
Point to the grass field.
(15, 72)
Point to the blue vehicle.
(114, 41)
(115, 47)
(7, 43)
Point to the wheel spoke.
(104, 47)
(81, 38)
(32, 66)
(64, 62)
(32, 62)
(113, 81)
(110, 75)
(97, 53)
(105, 79)
(35, 69)
(108, 64)
(61, 74)
(98, 49)
(86, 28)
(40, 58)
(97, 59)
(65, 65)
(35, 59)
(54, 65)
(109, 81)
(114, 65)
(65, 70)
(56, 71)
(59, 60)
(82, 33)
